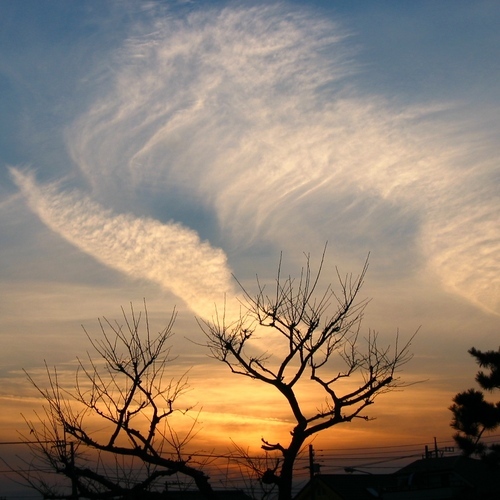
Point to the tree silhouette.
(113, 420)
(473, 415)
(315, 345)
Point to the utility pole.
(74, 489)
(69, 461)
(313, 467)
(311, 461)
(437, 452)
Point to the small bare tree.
(315, 344)
(113, 419)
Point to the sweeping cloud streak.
(168, 254)
(253, 113)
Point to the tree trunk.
(286, 473)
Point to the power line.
(27, 442)
(329, 458)
(491, 436)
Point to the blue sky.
(152, 149)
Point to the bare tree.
(113, 419)
(315, 344)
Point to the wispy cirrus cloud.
(168, 254)
(254, 113)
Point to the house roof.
(479, 474)
(351, 486)
(197, 495)
(479, 477)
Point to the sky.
(157, 150)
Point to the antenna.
(437, 452)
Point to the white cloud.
(168, 254)
(253, 112)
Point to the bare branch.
(321, 342)
(124, 384)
